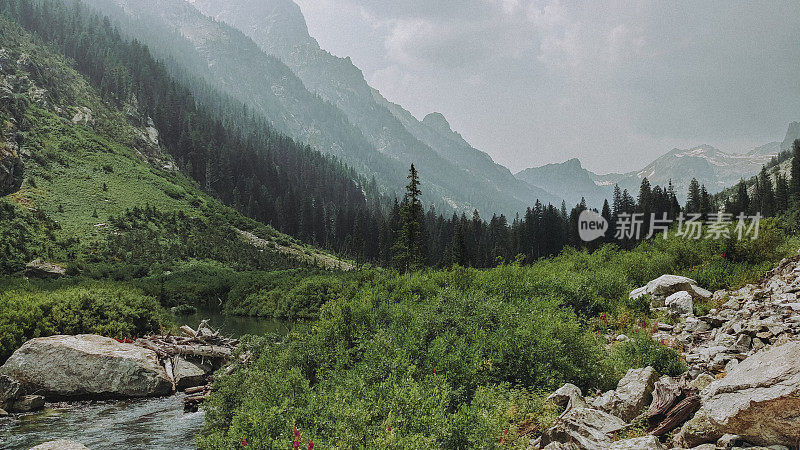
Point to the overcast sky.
(614, 83)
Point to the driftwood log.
(673, 403)
(204, 343)
(677, 415)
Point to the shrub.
(107, 309)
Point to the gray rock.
(604, 402)
(190, 373)
(589, 429)
(564, 394)
(561, 446)
(701, 382)
(680, 303)
(9, 391)
(728, 441)
(640, 443)
(633, 393)
(61, 444)
(86, 366)
(664, 286)
(758, 400)
(42, 269)
(694, 324)
(27, 403)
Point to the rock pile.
(748, 320)
(742, 387)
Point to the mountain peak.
(437, 120)
(791, 134)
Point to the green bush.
(108, 309)
(406, 353)
(642, 351)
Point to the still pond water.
(158, 423)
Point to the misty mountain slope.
(195, 46)
(435, 131)
(716, 169)
(279, 27)
(98, 186)
(570, 181)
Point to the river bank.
(145, 423)
(130, 424)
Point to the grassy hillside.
(87, 169)
(101, 198)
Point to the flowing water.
(157, 423)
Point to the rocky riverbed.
(741, 389)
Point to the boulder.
(666, 285)
(759, 400)
(27, 403)
(42, 269)
(9, 391)
(564, 394)
(640, 443)
(633, 394)
(61, 444)
(561, 446)
(190, 373)
(680, 303)
(585, 427)
(86, 366)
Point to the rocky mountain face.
(715, 169)
(464, 176)
(792, 134)
(279, 71)
(570, 181)
(741, 386)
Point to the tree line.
(239, 158)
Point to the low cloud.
(534, 82)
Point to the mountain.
(715, 169)
(311, 96)
(792, 134)
(570, 181)
(96, 187)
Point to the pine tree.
(408, 250)
(705, 202)
(781, 193)
(794, 186)
(766, 194)
(693, 199)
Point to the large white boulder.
(680, 303)
(666, 285)
(86, 366)
(759, 400)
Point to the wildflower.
(388, 428)
(311, 445)
(244, 442)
